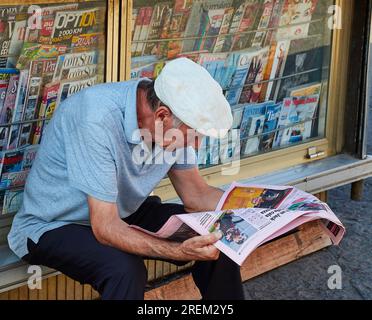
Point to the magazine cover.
(29, 156)
(302, 113)
(266, 76)
(7, 110)
(72, 23)
(252, 111)
(82, 72)
(274, 22)
(86, 42)
(242, 63)
(215, 19)
(17, 33)
(30, 110)
(140, 14)
(145, 28)
(32, 51)
(253, 82)
(215, 64)
(11, 161)
(202, 151)
(14, 179)
(277, 69)
(250, 14)
(72, 60)
(157, 21)
(175, 28)
(213, 151)
(46, 109)
(260, 36)
(197, 21)
(255, 127)
(42, 33)
(301, 67)
(230, 147)
(305, 90)
(227, 17)
(296, 14)
(17, 112)
(237, 112)
(5, 76)
(283, 121)
(12, 200)
(68, 88)
(271, 122)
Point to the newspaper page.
(250, 215)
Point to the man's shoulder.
(100, 103)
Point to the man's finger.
(202, 241)
(208, 252)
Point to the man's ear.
(164, 114)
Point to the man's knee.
(124, 278)
(130, 266)
(129, 269)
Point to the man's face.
(171, 134)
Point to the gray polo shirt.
(90, 147)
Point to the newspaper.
(249, 216)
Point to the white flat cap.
(194, 97)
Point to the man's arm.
(109, 229)
(194, 192)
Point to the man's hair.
(154, 101)
(151, 96)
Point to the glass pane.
(47, 53)
(271, 57)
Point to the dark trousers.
(74, 251)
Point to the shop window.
(48, 52)
(271, 57)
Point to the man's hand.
(109, 229)
(201, 247)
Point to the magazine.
(297, 16)
(73, 60)
(17, 112)
(301, 67)
(277, 69)
(241, 62)
(253, 83)
(7, 110)
(301, 113)
(252, 124)
(260, 35)
(68, 88)
(228, 15)
(251, 215)
(270, 126)
(156, 24)
(251, 10)
(11, 200)
(73, 23)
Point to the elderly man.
(89, 183)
